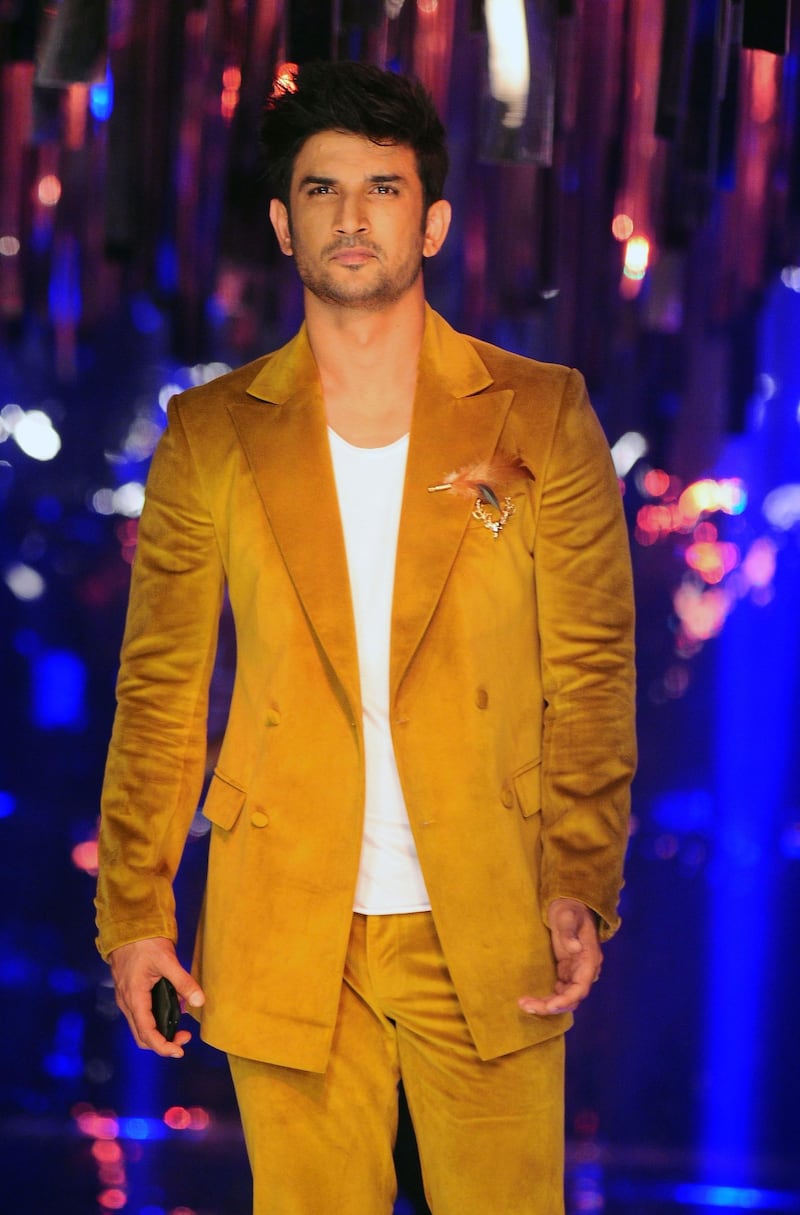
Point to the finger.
(150, 1038)
(143, 1025)
(137, 1004)
(136, 968)
(565, 1000)
(566, 945)
(571, 988)
(187, 987)
(552, 1006)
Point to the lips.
(355, 256)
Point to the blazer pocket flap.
(223, 803)
(528, 788)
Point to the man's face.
(355, 223)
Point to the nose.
(350, 215)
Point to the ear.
(437, 225)
(279, 218)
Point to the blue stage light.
(756, 731)
(735, 1198)
(684, 810)
(167, 265)
(66, 982)
(65, 298)
(101, 98)
(701, 1196)
(142, 1128)
(59, 689)
(144, 314)
(63, 1066)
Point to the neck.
(352, 345)
(367, 362)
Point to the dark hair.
(357, 98)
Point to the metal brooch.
(495, 526)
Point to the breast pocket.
(224, 802)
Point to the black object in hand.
(166, 1008)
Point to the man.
(419, 809)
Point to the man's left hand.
(578, 958)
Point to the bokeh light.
(112, 1199)
(49, 190)
(781, 507)
(178, 1118)
(101, 98)
(229, 100)
(24, 582)
(84, 857)
(656, 482)
(35, 434)
(637, 257)
(622, 227)
(629, 448)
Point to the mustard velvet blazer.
(511, 693)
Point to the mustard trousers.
(490, 1134)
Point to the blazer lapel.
(456, 423)
(284, 435)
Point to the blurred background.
(626, 185)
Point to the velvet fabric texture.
(490, 1133)
(511, 693)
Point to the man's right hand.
(135, 969)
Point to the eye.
(383, 187)
(320, 189)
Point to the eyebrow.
(378, 179)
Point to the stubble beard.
(350, 287)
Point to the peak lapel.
(284, 436)
(456, 422)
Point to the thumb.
(564, 924)
(186, 986)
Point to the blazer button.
(482, 698)
(507, 796)
(273, 718)
(259, 818)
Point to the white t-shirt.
(369, 484)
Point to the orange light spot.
(49, 190)
(199, 1118)
(705, 533)
(637, 257)
(656, 482)
(111, 1174)
(285, 81)
(97, 1126)
(178, 1118)
(764, 87)
(107, 1151)
(113, 1199)
(702, 612)
(228, 103)
(712, 561)
(622, 227)
(84, 856)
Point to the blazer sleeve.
(156, 759)
(586, 614)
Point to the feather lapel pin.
(483, 483)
